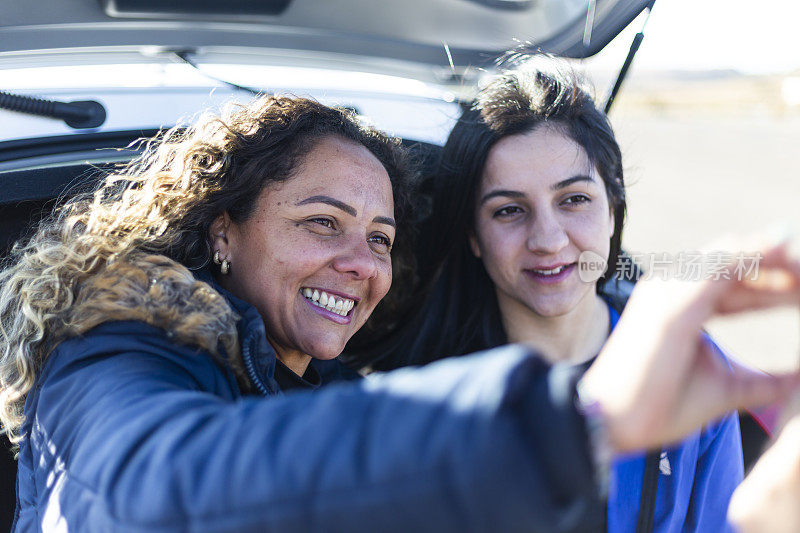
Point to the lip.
(551, 280)
(550, 267)
(333, 317)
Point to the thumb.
(755, 390)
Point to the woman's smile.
(329, 304)
(551, 275)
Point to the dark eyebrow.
(569, 181)
(509, 194)
(385, 220)
(321, 199)
(517, 194)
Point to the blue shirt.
(696, 480)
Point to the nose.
(356, 259)
(547, 234)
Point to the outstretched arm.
(143, 437)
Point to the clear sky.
(755, 37)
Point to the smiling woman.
(240, 189)
(328, 230)
(262, 237)
(530, 184)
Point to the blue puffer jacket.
(130, 427)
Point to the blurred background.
(709, 124)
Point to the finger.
(790, 410)
(778, 255)
(760, 257)
(743, 299)
(775, 282)
(777, 277)
(772, 247)
(756, 390)
(719, 395)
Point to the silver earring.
(226, 266)
(216, 258)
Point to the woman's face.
(540, 204)
(314, 257)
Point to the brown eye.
(328, 223)
(577, 199)
(381, 240)
(506, 211)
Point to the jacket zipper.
(251, 369)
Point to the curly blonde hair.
(160, 205)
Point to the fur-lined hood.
(160, 292)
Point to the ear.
(218, 234)
(473, 244)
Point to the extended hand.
(657, 380)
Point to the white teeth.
(551, 272)
(340, 306)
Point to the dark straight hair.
(458, 311)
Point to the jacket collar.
(257, 354)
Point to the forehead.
(543, 156)
(343, 169)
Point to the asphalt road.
(692, 179)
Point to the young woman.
(530, 185)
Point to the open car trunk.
(431, 34)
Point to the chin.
(554, 308)
(551, 312)
(326, 350)
(325, 356)
(563, 304)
